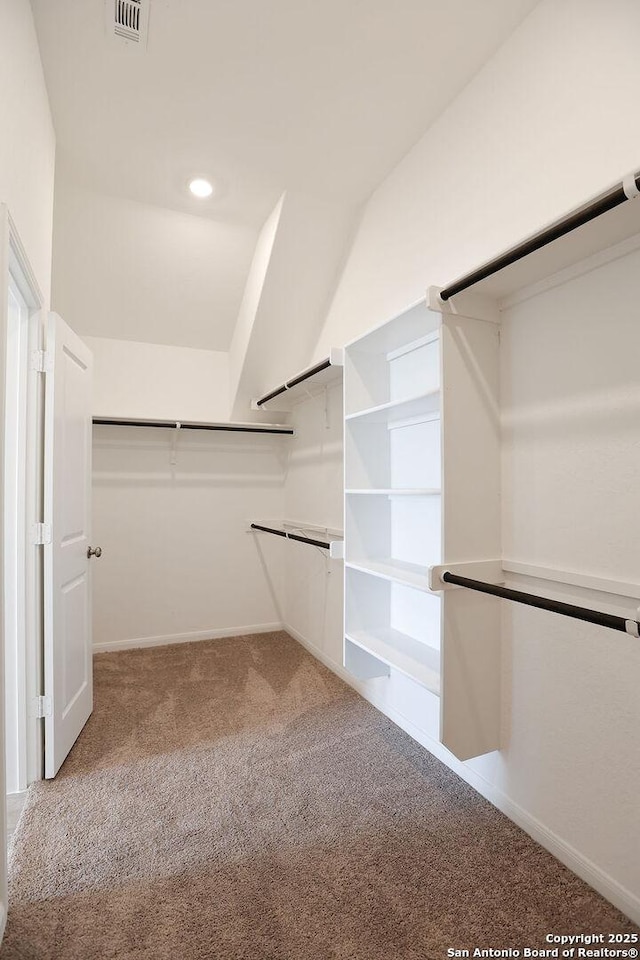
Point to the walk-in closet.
(320, 585)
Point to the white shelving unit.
(422, 489)
(393, 512)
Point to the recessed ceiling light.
(201, 188)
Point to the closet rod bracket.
(632, 627)
(490, 570)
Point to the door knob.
(94, 552)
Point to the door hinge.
(41, 707)
(41, 534)
(40, 361)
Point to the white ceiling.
(322, 96)
(137, 271)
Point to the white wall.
(133, 271)
(178, 562)
(305, 241)
(27, 141)
(147, 380)
(549, 121)
(251, 298)
(571, 405)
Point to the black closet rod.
(296, 380)
(625, 190)
(173, 424)
(631, 627)
(292, 536)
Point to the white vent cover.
(128, 20)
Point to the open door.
(68, 668)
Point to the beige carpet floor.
(233, 799)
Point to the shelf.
(331, 533)
(310, 381)
(325, 537)
(398, 571)
(402, 532)
(588, 240)
(403, 653)
(385, 608)
(391, 492)
(419, 406)
(395, 362)
(223, 427)
(403, 456)
(422, 468)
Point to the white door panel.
(67, 650)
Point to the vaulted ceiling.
(318, 96)
(323, 96)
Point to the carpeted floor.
(234, 800)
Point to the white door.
(68, 672)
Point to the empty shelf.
(423, 405)
(410, 574)
(411, 657)
(305, 384)
(400, 492)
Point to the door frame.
(27, 657)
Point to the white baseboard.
(17, 796)
(607, 886)
(216, 634)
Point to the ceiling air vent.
(128, 19)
